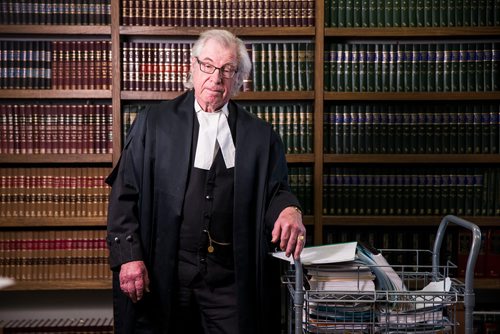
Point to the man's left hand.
(290, 231)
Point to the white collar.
(213, 133)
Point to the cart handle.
(298, 296)
(469, 299)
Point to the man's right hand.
(134, 280)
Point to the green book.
(354, 75)
(480, 68)
(381, 10)
(341, 13)
(437, 131)
(328, 13)
(474, 12)
(440, 64)
(455, 67)
(388, 13)
(404, 10)
(444, 10)
(339, 129)
(400, 64)
(386, 130)
(414, 131)
(357, 9)
(491, 5)
(327, 132)
(365, 13)
(432, 68)
(477, 131)
(471, 67)
(302, 66)
(494, 111)
(420, 13)
(265, 67)
(371, 64)
(327, 61)
(361, 128)
(495, 71)
(354, 130)
(406, 133)
(342, 52)
(396, 13)
(257, 66)
(437, 204)
(428, 9)
(287, 67)
(488, 67)
(386, 67)
(422, 130)
(309, 66)
(369, 129)
(349, 13)
(447, 68)
(485, 130)
(445, 133)
(310, 128)
(429, 133)
(363, 68)
(454, 119)
(461, 131)
(424, 65)
(436, 12)
(294, 66)
(379, 66)
(346, 130)
(469, 130)
(392, 203)
(372, 13)
(348, 66)
(272, 67)
(376, 122)
(279, 67)
(415, 67)
(334, 61)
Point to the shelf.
(485, 283)
(55, 158)
(412, 158)
(52, 222)
(413, 32)
(149, 95)
(60, 285)
(54, 29)
(86, 94)
(298, 158)
(411, 96)
(376, 221)
(194, 32)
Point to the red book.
(493, 253)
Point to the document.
(341, 252)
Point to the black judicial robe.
(145, 213)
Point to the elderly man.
(198, 198)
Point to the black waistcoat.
(208, 214)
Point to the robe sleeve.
(279, 189)
(123, 211)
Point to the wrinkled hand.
(134, 280)
(290, 232)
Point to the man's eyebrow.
(211, 60)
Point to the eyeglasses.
(227, 71)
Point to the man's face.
(212, 91)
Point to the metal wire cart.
(422, 299)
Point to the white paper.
(335, 253)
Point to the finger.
(128, 289)
(301, 241)
(275, 234)
(292, 242)
(139, 288)
(284, 239)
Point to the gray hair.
(228, 40)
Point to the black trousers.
(203, 309)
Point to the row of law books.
(411, 13)
(219, 13)
(293, 122)
(486, 322)
(414, 191)
(488, 260)
(53, 192)
(467, 66)
(38, 255)
(164, 66)
(56, 129)
(300, 179)
(57, 325)
(39, 64)
(155, 66)
(68, 12)
(403, 128)
(404, 247)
